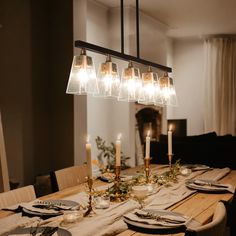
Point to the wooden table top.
(199, 205)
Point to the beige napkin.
(160, 222)
(206, 185)
(29, 206)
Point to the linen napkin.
(211, 185)
(167, 220)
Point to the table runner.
(110, 221)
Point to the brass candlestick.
(89, 211)
(117, 183)
(170, 161)
(147, 168)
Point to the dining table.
(198, 205)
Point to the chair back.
(70, 177)
(13, 197)
(217, 227)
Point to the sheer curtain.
(220, 85)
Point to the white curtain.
(220, 85)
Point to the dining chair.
(13, 197)
(217, 227)
(69, 177)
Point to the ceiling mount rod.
(137, 28)
(122, 24)
(119, 55)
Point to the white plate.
(191, 223)
(36, 213)
(60, 231)
(206, 188)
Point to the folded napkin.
(211, 185)
(168, 220)
(55, 205)
(30, 207)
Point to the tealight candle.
(102, 202)
(71, 216)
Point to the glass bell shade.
(168, 90)
(130, 84)
(147, 92)
(82, 78)
(108, 79)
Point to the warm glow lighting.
(167, 90)
(82, 78)
(130, 84)
(108, 79)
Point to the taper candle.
(169, 141)
(147, 153)
(89, 158)
(118, 150)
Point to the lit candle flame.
(88, 139)
(119, 136)
(170, 127)
(148, 133)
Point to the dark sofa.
(208, 149)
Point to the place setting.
(45, 209)
(208, 185)
(158, 221)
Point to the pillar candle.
(88, 157)
(169, 142)
(147, 154)
(118, 150)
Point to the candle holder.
(117, 191)
(170, 160)
(90, 211)
(147, 168)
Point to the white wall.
(188, 77)
(107, 118)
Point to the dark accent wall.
(52, 54)
(36, 48)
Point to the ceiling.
(188, 18)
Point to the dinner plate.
(41, 214)
(206, 188)
(29, 230)
(141, 225)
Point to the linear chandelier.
(147, 89)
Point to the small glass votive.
(102, 202)
(185, 171)
(151, 187)
(72, 217)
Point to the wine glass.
(139, 193)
